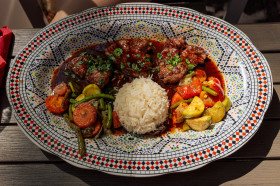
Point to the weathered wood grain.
(264, 36)
(16, 147)
(221, 172)
(273, 60)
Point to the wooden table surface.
(258, 162)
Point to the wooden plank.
(273, 61)
(15, 146)
(264, 36)
(22, 37)
(217, 173)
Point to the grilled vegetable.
(217, 112)
(182, 101)
(95, 96)
(195, 109)
(176, 98)
(60, 89)
(200, 74)
(91, 89)
(84, 115)
(227, 103)
(81, 142)
(200, 123)
(209, 90)
(97, 127)
(116, 121)
(110, 116)
(55, 104)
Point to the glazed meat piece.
(78, 65)
(131, 56)
(139, 45)
(170, 74)
(176, 59)
(123, 44)
(116, 50)
(171, 67)
(137, 65)
(100, 78)
(99, 71)
(175, 42)
(196, 55)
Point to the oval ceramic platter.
(247, 74)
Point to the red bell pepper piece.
(200, 74)
(191, 90)
(176, 98)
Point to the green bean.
(73, 101)
(178, 103)
(94, 96)
(66, 96)
(104, 117)
(180, 119)
(75, 87)
(70, 112)
(81, 142)
(107, 131)
(209, 90)
(110, 116)
(72, 125)
(102, 104)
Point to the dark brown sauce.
(118, 79)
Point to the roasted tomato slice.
(200, 74)
(191, 90)
(176, 98)
(196, 85)
(54, 104)
(186, 92)
(60, 89)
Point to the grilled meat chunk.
(100, 78)
(196, 55)
(78, 65)
(172, 68)
(175, 42)
(131, 56)
(176, 59)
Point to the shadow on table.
(5, 108)
(215, 173)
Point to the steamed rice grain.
(142, 106)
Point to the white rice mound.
(141, 105)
